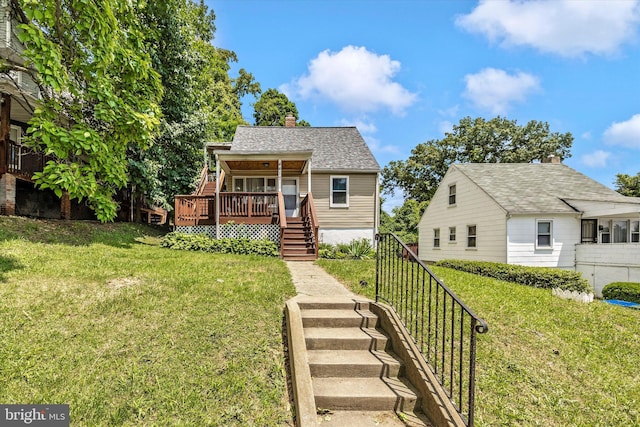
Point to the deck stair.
(352, 369)
(209, 189)
(298, 241)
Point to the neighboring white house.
(536, 214)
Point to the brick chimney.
(289, 121)
(552, 159)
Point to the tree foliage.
(404, 221)
(273, 107)
(628, 185)
(100, 94)
(201, 101)
(473, 141)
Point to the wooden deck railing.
(282, 219)
(308, 211)
(243, 207)
(24, 161)
(204, 178)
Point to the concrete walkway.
(310, 279)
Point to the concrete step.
(353, 363)
(333, 303)
(344, 339)
(338, 318)
(299, 257)
(364, 394)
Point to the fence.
(442, 326)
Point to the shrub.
(538, 277)
(202, 242)
(360, 249)
(356, 249)
(625, 291)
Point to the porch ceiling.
(265, 165)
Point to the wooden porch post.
(279, 175)
(309, 176)
(5, 131)
(217, 207)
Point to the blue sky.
(404, 72)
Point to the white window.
(605, 232)
(544, 237)
(620, 231)
(254, 184)
(635, 231)
(339, 192)
(452, 234)
(452, 194)
(436, 237)
(471, 236)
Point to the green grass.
(545, 361)
(128, 333)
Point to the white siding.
(522, 232)
(473, 207)
(605, 263)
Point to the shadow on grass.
(77, 233)
(8, 264)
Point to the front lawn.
(128, 333)
(545, 361)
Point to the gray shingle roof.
(522, 188)
(334, 148)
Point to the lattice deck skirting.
(250, 231)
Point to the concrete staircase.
(352, 370)
(298, 242)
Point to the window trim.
(474, 236)
(538, 234)
(454, 195)
(436, 238)
(634, 234)
(332, 204)
(452, 233)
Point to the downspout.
(376, 213)
(217, 197)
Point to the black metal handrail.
(443, 328)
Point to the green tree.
(201, 101)
(473, 141)
(404, 221)
(273, 107)
(628, 185)
(99, 94)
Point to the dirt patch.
(123, 282)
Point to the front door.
(290, 194)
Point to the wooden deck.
(244, 208)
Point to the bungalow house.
(298, 186)
(536, 214)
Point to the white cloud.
(586, 135)
(495, 90)
(355, 79)
(445, 126)
(364, 125)
(597, 159)
(564, 27)
(626, 134)
(377, 147)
